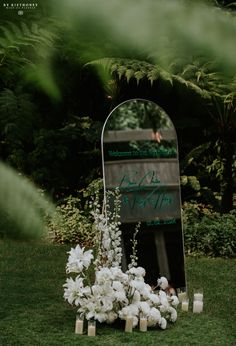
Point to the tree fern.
(132, 69)
(205, 75)
(140, 70)
(194, 155)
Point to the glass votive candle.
(143, 323)
(79, 324)
(198, 294)
(129, 324)
(91, 328)
(197, 306)
(182, 294)
(185, 304)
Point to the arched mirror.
(140, 156)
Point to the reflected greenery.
(139, 115)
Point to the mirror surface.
(140, 157)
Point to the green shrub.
(73, 222)
(70, 225)
(207, 232)
(191, 189)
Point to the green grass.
(32, 310)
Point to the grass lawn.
(32, 310)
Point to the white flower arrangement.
(113, 293)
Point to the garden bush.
(207, 232)
(73, 222)
(70, 224)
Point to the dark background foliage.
(58, 84)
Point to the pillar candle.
(129, 324)
(91, 328)
(79, 326)
(197, 306)
(182, 296)
(143, 324)
(185, 304)
(198, 296)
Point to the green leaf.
(153, 75)
(22, 206)
(129, 74)
(121, 71)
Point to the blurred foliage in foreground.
(22, 207)
(162, 30)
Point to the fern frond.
(106, 63)
(191, 86)
(35, 28)
(139, 75)
(121, 71)
(14, 47)
(153, 75)
(114, 68)
(49, 35)
(132, 69)
(129, 74)
(25, 30)
(3, 43)
(231, 5)
(14, 29)
(8, 34)
(166, 76)
(194, 154)
(17, 37)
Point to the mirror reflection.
(140, 156)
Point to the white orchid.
(144, 308)
(117, 285)
(111, 317)
(163, 323)
(173, 314)
(72, 290)
(174, 301)
(120, 296)
(138, 285)
(78, 259)
(103, 275)
(154, 298)
(163, 299)
(113, 293)
(162, 283)
(138, 272)
(130, 310)
(146, 291)
(154, 317)
(136, 297)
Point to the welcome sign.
(140, 157)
